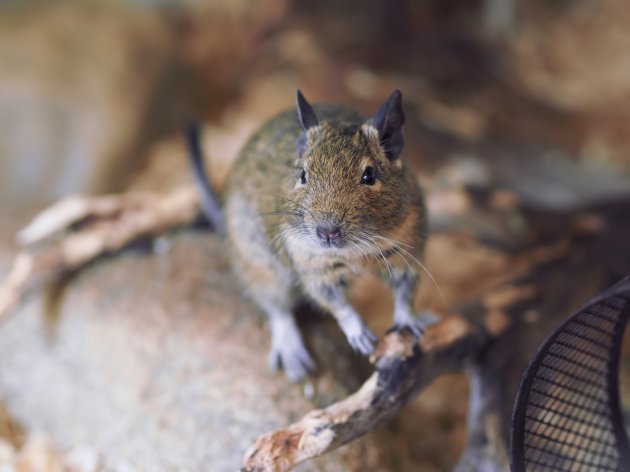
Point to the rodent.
(318, 195)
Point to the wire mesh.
(567, 415)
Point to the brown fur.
(272, 219)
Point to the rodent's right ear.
(389, 120)
(305, 115)
(307, 119)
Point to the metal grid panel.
(567, 415)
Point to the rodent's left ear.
(388, 121)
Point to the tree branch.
(403, 368)
(106, 224)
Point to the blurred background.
(94, 96)
(94, 93)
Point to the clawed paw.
(359, 335)
(295, 360)
(416, 327)
(363, 343)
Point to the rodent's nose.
(329, 233)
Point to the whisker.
(360, 246)
(370, 247)
(288, 231)
(380, 252)
(420, 264)
(393, 241)
(299, 205)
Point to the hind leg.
(270, 285)
(287, 346)
(268, 282)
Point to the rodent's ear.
(305, 115)
(388, 121)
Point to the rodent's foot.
(288, 350)
(294, 358)
(406, 320)
(416, 327)
(359, 335)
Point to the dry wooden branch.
(107, 224)
(483, 337)
(403, 368)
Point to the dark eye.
(303, 177)
(369, 177)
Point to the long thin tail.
(210, 202)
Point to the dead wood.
(403, 367)
(484, 338)
(103, 225)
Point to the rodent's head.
(349, 186)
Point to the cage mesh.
(567, 414)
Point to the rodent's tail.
(210, 202)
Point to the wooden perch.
(106, 224)
(467, 339)
(403, 368)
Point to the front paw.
(415, 326)
(409, 322)
(359, 335)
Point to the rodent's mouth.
(325, 247)
(335, 244)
